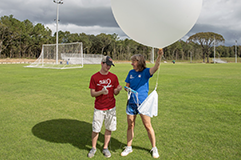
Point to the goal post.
(70, 55)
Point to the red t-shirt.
(97, 82)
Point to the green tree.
(10, 34)
(206, 40)
(39, 36)
(87, 43)
(25, 41)
(3, 36)
(104, 41)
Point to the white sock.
(129, 147)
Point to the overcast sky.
(95, 16)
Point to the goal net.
(69, 55)
(92, 58)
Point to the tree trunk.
(203, 57)
(207, 57)
(102, 50)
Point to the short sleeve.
(92, 83)
(128, 78)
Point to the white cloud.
(95, 30)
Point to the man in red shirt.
(103, 86)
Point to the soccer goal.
(70, 55)
(92, 58)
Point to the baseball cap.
(107, 60)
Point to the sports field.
(46, 114)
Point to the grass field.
(46, 114)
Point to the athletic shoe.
(128, 149)
(154, 152)
(106, 153)
(91, 153)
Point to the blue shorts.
(131, 109)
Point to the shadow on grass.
(74, 132)
(77, 133)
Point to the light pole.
(191, 57)
(152, 55)
(57, 22)
(236, 51)
(214, 43)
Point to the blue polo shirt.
(139, 81)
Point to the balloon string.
(158, 75)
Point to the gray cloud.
(68, 14)
(230, 35)
(95, 16)
(101, 16)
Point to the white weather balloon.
(156, 23)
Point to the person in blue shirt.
(138, 80)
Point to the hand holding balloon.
(160, 52)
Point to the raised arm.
(158, 61)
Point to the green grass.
(47, 114)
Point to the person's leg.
(96, 126)
(95, 136)
(130, 130)
(146, 120)
(151, 134)
(107, 138)
(94, 139)
(110, 125)
(130, 134)
(106, 151)
(131, 111)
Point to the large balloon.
(156, 23)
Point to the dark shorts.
(131, 109)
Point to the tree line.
(23, 39)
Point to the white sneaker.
(128, 149)
(91, 153)
(154, 152)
